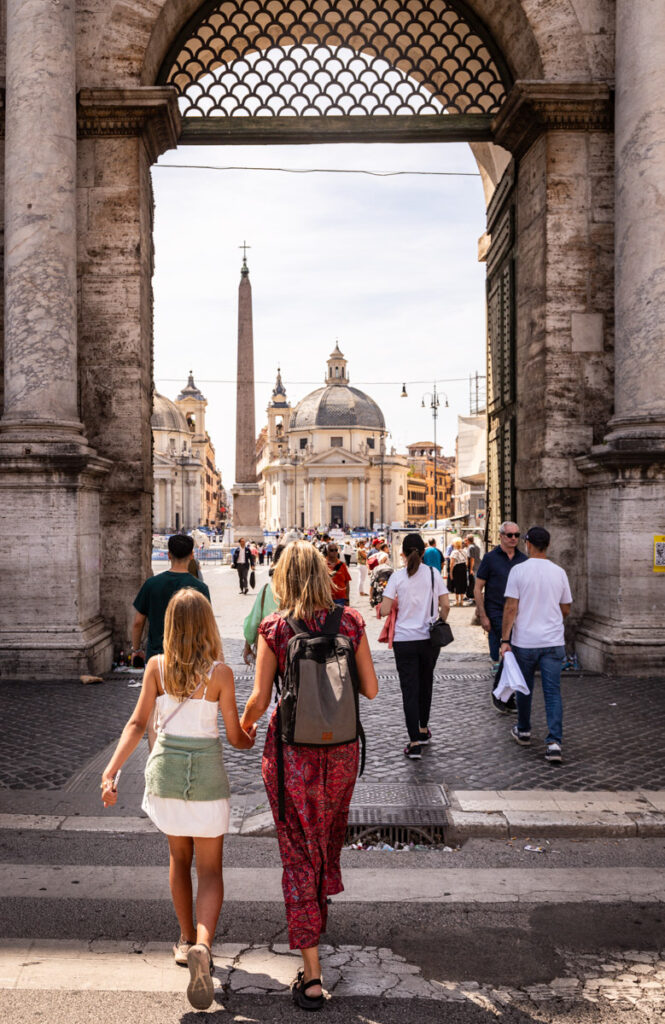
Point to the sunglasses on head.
(511, 534)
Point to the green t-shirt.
(154, 596)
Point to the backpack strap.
(333, 621)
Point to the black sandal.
(299, 990)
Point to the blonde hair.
(301, 581)
(457, 543)
(191, 642)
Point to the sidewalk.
(472, 777)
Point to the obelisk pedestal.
(246, 491)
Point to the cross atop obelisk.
(246, 491)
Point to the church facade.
(188, 485)
(324, 462)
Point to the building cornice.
(533, 108)
(150, 111)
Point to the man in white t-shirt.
(538, 599)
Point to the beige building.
(324, 463)
(188, 485)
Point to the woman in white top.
(187, 789)
(421, 596)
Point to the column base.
(246, 505)
(51, 655)
(622, 630)
(618, 650)
(50, 622)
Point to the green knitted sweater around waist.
(187, 768)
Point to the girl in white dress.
(187, 789)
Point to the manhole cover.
(402, 795)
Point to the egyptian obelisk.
(246, 491)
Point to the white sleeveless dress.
(202, 819)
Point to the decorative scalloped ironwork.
(303, 58)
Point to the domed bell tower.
(279, 412)
(337, 372)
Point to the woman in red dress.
(318, 781)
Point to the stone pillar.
(349, 502)
(41, 399)
(323, 516)
(622, 631)
(363, 503)
(168, 504)
(50, 622)
(310, 503)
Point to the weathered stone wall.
(565, 333)
(115, 355)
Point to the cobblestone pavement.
(613, 727)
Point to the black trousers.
(243, 568)
(415, 662)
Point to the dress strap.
(160, 664)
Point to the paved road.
(613, 727)
(87, 927)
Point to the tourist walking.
(318, 781)
(152, 599)
(538, 599)
(361, 556)
(243, 561)
(433, 556)
(458, 571)
(473, 561)
(265, 603)
(488, 593)
(421, 596)
(186, 786)
(269, 550)
(340, 577)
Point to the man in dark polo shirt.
(157, 591)
(488, 593)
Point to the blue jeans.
(549, 660)
(494, 636)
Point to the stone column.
(310, 503)
(168, 504)
(639, 388)
(349, 502)
(622, 630)
(41, 401)
(323, 518)
(363, 504)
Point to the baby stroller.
(377, 583)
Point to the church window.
(336, 442)
(330, 374)
(370, 442)
(337, 371)
(303, 442)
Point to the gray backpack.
(318, 693)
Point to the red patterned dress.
(318, 784)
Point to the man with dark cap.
(538, 599)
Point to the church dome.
(335, 406)
(166, 415)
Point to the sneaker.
(412, 750)
(511, 705)
(200, 990)
(494, 667)
(425, 738)
(180, 950)
(521, 736)
(553, 753)
(499, 705)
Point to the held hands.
(109, 788)
(248, 655)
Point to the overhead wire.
(323, 170)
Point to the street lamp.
(433, 400)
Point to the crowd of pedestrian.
(302, 629)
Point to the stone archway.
(75, 446)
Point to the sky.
(386, 265)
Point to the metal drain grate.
(397, 813)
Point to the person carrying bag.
(416, 637)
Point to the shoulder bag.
(440, 633)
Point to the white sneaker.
(200, 990)
(180, 950)
(553, 753)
